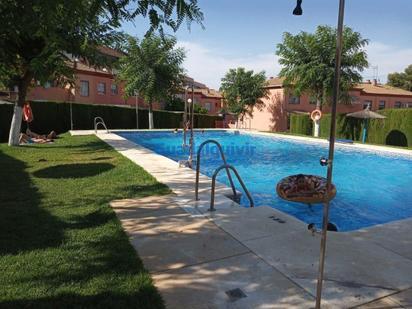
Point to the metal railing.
(97, 121)
(212, 195)
(222, 155)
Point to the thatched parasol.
(365, 114)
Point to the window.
(47, 85)
(408, 105)
(398, 104)
(367, 104)
(101, 88)
(114, 89)
(84, 88)
(294, 100)
(354, 99)
(382, 104)
(208, 106)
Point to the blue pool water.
(372, 188)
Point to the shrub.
(301, 124)
(395, 130)
(50, 116)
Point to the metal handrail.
(198, 166)
(97, 121)
(212, 195)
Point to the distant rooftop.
(369, 87)
(275, 82)
(375, 88)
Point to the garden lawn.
(61, 245)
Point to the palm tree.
(153, 68)
(308, 62)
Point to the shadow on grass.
(102, 158)
(23, 224)
(73, 170)
(144, 298)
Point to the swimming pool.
(373, 188)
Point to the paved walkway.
(196, 263)
(255, 257)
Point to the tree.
(308, 62)
(243, 90)
(402, 80)
(153, 68)
(177, 104)
(39, 38)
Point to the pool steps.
(225, 166)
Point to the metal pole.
(365, 127)
(185, 118)
(335, 98)
(191, 127)
(137, 109)
(71, 115)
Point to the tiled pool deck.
(196, 256)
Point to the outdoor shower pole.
(335, 98)
(191, 126)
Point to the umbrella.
(365, 114)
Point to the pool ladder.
(97, 121)
(225, 166)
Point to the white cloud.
(208, 66)
(388, 58)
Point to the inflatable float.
(308, 189)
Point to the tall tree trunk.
(316, 123)
(151, 126)
(15, 126)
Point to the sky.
(244, 33)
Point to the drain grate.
(235, 294)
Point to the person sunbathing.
(52, 135)
(25, 139)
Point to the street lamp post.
(71, 107)
(335, 98)
(185, 118)
(192, 111)
(72, 94)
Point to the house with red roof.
(97, 85)
(280, 103)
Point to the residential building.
(280, 103)
(208, 98)
(96, 85)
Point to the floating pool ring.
(315, 115)
(308, 189)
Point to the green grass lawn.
(61, 245)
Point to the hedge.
(395, 130)
(50, 116)
(301, 124)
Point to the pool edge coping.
(366, 147)
(181, 200)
